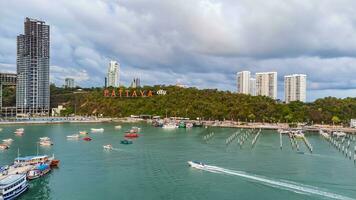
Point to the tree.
(335, 120)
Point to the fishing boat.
(118, 127)
(126, 141)
(132, 135)
(8, 140)
(12, 186)
(170, 126)
(97, 130)
(83, 133)
(108, 147)
(87, 139)
(196, 164)
(73, 137)
(4, 146)
(46, 143)
(38, 171)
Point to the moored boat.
(170, 126)
(8, 140)
(12, 186)
(45, 139)
(189, 125)
(54, 163)
(4, 146)
(38, 171)
(83, 133)
(46, 143)
(97, 130)
(126, 141)
(132, 135)
(118, 127)
(87, 139)
(75, 136)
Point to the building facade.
(295, 87)
(266, 84)
(243, 82)
(113, 77)
(252, 89)
(69, 83)
(136, 82)
(33, 57)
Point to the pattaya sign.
(132, 93)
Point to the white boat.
(189, 125)
(298, 134)
(20, 129)
(45, 138)
(97, 130)
(197, 165)
(46, 143)
(8, 140)
(75, 136)
(339, 134)
(83, 133)
(12, 186)
(118, 127)
(324, 134)
(108, 147)
(170, 126)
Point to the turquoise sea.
(155, 165)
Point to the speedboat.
(46, 143)
(75, 136)
(8, 140)
(126, 141)
(97, 130)
(108, 147)
(196, 164)
(87, 139)
(12, 186)
(4, 146)
(118, 127)
(83, 133)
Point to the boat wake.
(281, 184)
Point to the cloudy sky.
(201, 43)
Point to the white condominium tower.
(243, 82)
(266, 84)
(113, 74)
(252, 87)
(295, 87)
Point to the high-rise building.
(243, 82)
(252, 89)
(113, 74)
(295, 87)
(266, 84)
(33, 57)
(136, 82)
(69, 83)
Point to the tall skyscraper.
(243, 82)
(295, 87)
(266, 84)
(113, 74)
(136, 82)
(69, 83)
(33, 57)
(252, 90)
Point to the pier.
(255, 139)
(310, 147)
(206, 138)
(231, 138)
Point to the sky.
(199, 43)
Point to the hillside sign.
(132, 93)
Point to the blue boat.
(12, 186)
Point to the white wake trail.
(291, 186)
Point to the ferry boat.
(8, 140)
(75, 136)
(12, 186)
(4, 146)
(108, 147)
(196, 164)
(126, 141)
(38, 171)
(32, 160)
(97, 130)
